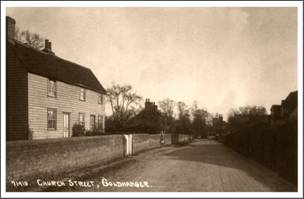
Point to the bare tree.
(122, 100)
(183, 122)
(242, 116)
(199, 118)
(32, 39)
(18, 34)
(167, 109)
(248, 111)
(182, 109)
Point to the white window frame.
(91, 124)
(82, 95)
(81, 122)
(100, 99)
(53, 119)
(51, 91)
(100, 121)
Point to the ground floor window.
(100, 121)
(92, 122)
(51, 119)
(81, 119)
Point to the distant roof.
(291, 101)
(53, 67)
(275, 106)
(292, 96)
(147, 117)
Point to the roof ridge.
(48, 65)
(45, 53)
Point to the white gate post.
(127, 144)
(131, 144)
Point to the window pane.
(51, 119)
(49, 124)
(81, 118)
(92, 121)
(51, 88)
(50, 114)
(53, 124)
(100, 99)
(82, 94)
(100, 121)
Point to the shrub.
(95, 131)
(30, 133)
(78, 130)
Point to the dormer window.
(52, 88)
(82, 96)
(100, 99)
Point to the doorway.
(66, 125)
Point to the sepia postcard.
(152, 99)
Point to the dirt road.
(201, 166)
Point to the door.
(66, 124)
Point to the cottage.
(290, 104)
(148, 120)
(46, 95)
(276, 112)
(288, 110)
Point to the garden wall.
(168, 139)
(143, 142)
(180, 138)
(26, 158)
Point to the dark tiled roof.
(275, 106)
(292, 97)
(291, 100)
(146, 118)
(53, 67)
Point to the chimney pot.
(47, 44)
(48, 47)
(10, 28)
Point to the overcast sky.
(221, 57)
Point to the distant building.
(46, 95)
(217, 120)
(276, 112)
(148, 120)
(150, 106)
(219, 125)
(209, 120)
(289, 104)
(286, 111)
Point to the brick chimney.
(10, 28)
(48, 47)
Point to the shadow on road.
(212, 152)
